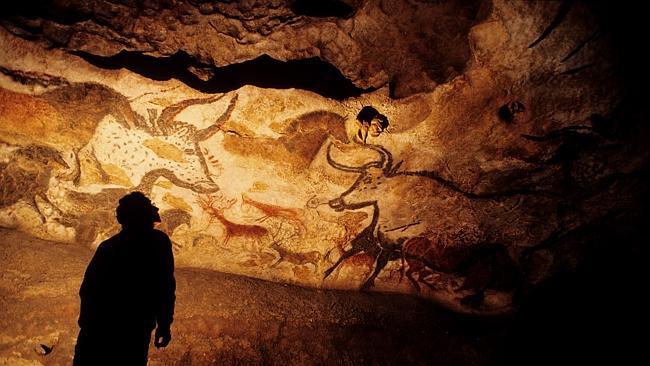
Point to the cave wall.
(511, 131)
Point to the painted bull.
(407, 203)
(163, 147)
(407, 206)
(127, 145)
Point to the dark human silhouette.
(127, 291)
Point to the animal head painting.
(430, 142)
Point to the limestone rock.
(509, 143)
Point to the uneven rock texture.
(515, 149)
(590, 315)
(427, 40)
(230, 320)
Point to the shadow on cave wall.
(323, 8)
(427, 41)
(310, 74)
(591, 313)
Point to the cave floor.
(233, 320)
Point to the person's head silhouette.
(135, 211)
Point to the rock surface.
(230, 320)
(427, 41)
(516, 147)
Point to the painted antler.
(215, 205)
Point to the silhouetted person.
(127, 291)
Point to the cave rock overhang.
(338, 49)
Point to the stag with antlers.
(292, 215)
(215, 205)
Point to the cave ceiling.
(412, 46)
(513, 135)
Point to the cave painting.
(161, 147)
(368, 122)
(215, 205)
(412, 222)
(26, 176)
(285, 219)
(112, 148)
(268, 240)
(291, 215)
(138, 152)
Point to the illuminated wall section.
(498, 141)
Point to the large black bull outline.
(370, 240)
(383, 242)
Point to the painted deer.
(297, 258)
(215, 207)
(291, 215)
(285, 255)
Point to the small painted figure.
(369, 122)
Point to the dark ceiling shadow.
(312, 74)
(322, 8)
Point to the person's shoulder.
(160, 241)
(159, 233)
(160, 236)
(109, 242)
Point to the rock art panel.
(462, 182)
